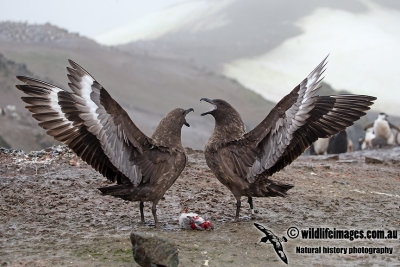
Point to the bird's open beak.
(185, 113)
(211, 102)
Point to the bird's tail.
(269, 188)
(279, 189)
(123, 191)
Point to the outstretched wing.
(298, 120)
(56, 111)
(90, 111)
(281, 254)
(261, 228)
(276, 243)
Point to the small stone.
(73, 163)
(371, 160)
(347, 161)
(326, 157)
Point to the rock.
(373, 160)
(4, 150)
(38, 154)
(347, 161)
(151, 250)
(395, 161)
(326, 157)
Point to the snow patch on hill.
(363, 47)
(169, 20)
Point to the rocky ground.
(51, 212)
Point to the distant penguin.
(320, 146)
(369, 135)
(382, 129)
(338, 143)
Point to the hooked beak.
(208, 101)
(185, 113)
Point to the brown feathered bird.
(243, 162)
(100, 131)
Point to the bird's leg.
(154, 211)
(141, 205)
(250, 200)
(238, 204)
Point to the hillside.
(18, 129)
(147, 86)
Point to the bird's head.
(221, 109)
(168, 131)
(178, 116)
(227, 120)
(382, 116)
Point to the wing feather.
(65, 125)
(121, 140)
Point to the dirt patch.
(51, 212)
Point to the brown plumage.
(100, 131)
(244, 161)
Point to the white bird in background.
(382, 128)
(369, 136)
(321, 146)
(380, 133)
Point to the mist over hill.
(237, 29)
(146, 86)
(147, 78)
(270, 46)
(18, 129)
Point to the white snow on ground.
(195, 13)
(364, 56)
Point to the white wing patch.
(87, 83)
(53, 96)
(86, 103)
(44, 104)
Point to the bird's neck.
(228, 130)
(167, 135)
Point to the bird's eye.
(220, 103)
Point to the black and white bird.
(384, 132)
(382, 128)
(274, 240)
